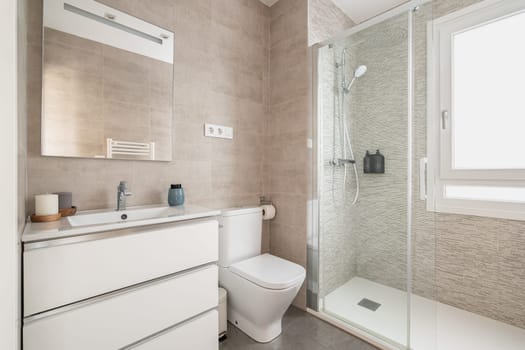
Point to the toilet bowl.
(260, 287)
(260, 291)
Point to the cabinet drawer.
(198, 334)
(125, 318)
(60, 275)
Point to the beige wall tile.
(285, 165)
(22, 114)
(220, 76)
(289, 242)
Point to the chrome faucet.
(122, 194)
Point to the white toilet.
(260, 287)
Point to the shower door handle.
(444, 119)
(423, 175)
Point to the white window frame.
(439, 132)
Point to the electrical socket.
(218, 131)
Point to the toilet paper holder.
(264, 201)
(268, 209)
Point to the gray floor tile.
(301, 331)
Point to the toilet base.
(260, 334)
(255, 310)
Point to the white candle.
(46, 204)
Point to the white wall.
(9, 293)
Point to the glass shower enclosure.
(380, 263)
(360, 247)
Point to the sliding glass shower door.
(384, 261)
(366, 164)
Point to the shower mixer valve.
(341, 162)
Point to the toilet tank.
(240, 234)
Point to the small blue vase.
(176, 195)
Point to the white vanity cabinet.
(62, 272)
(199, 333)
(152, 287)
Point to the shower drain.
(369, 304)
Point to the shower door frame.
(313, 224)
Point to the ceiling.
(358, 10)
(269, 2)
(361, 10)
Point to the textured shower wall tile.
(444, 7)
(423, 248)
(378, 120)
(511, 278)
(230, 88)
(483, 255)
(470, 262)
(368, 239)
(423, 230)
(467, 269)
(474, 263)
(337, 249)
(337, 239)
(325, 20)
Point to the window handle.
(444, 119)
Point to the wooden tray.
(46, 218)
(68, 211)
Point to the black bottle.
(377, 163)
(366, 163)
(374, 163)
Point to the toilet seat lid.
(269, 271)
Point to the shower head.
(358, 73)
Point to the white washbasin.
(113, 217)
(93, 221)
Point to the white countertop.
(62, 228)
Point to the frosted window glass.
(488, 95)
(486, 193)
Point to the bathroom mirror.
(107, 85)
